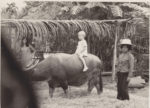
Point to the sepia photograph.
(74, 54)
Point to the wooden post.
(115, 48)
(115, 52)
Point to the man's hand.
(128, 79)
(113, 78)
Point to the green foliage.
(11, 11)
(79, 10)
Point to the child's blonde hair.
(82, 32)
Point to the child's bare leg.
(84, 63)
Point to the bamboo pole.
(115, 52)
(36, 20)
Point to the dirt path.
(78, 98)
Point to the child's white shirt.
(82, 48)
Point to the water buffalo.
(61, 70)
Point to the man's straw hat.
(125, 42)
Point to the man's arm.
(131, 63)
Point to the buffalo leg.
(51, 91)
(98, 88)
(51, 88)
(64, 85)
(90, 86)
(100, 83)
(97, 85)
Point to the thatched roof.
(41, 30)
(62, 35)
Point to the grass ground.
(78, 97)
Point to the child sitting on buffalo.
(81, 50)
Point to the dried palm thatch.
(62, 34)
(77, 9)
(134, 7)
(80, 8)
(116, 11)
